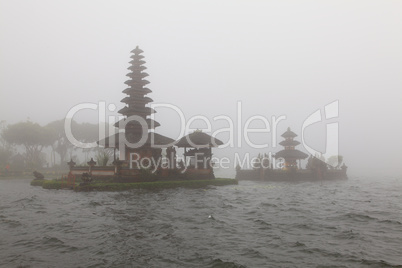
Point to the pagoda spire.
(136, 100)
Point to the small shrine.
(315, 170)
(290, 154)
(198, 153)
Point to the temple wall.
(96, 171)
(288, 175)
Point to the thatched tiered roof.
(289, 143)
(136, 100)
(290, 153)
(137, 122)
(153, 140)
(289, 134)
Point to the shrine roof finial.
(137, 50)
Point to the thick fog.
(208, 58)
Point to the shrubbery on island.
(118, 186)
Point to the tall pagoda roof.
(137, 68)
(137, 50)
(136, 105)
(289, 134)
(142, 90)
(137, 57)
(137, 75)
(150, 123)
(136, 82)
(143, 100)
(198, 139)
(136, 110)
(154, 140)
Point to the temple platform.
(290, 175)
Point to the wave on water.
(250, 225)
(218, 263)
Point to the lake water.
(351, 223)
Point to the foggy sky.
(276, 57)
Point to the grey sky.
(276, 57)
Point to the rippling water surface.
(353, 223)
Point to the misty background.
(276, 57)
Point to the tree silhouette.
(32, 137)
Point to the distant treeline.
(22, 145)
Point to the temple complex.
(145, 155)
(289, 167)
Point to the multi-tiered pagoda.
(136, 102)
(137, 124)
(290, 154)
(139, 142)
(291, 170)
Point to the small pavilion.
(198, 153)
